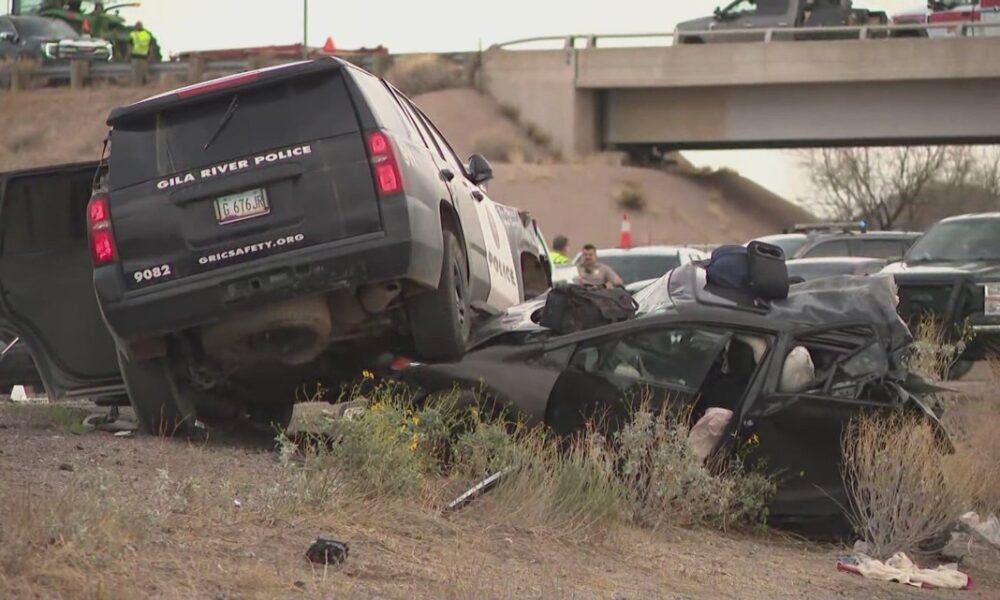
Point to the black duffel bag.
(572, 307)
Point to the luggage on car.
(572, 307)
(757, 270)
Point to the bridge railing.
(774, 34)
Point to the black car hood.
(944, 269)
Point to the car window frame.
(859, 244)
(404, 105)
(808, 253)
(438, 137)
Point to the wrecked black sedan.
(790, 373)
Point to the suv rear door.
(46, 279)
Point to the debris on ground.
(988, 530)
(900, 569)
(125, 433)
(66, 467)
(478, 489)
(326, 551)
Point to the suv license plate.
(241, 206)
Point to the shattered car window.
(870, 361)
(677, 358)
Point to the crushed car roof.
(845, 299)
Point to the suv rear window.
(286, 113)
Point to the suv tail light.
(102, 242)
(384, 164)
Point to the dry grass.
(932, 353)
(501, 144)
(421, 73)
(630, 197)
(905, 489)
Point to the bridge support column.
(541, 85)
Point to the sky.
(455, 25)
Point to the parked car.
(47, 41)
(747, 21)
(815, 268)
(253, 232)
(691, 348)
(639, 264)
(957, 13)
(873, 244)
(790, 243)
(952, 274)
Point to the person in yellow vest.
(558, 252)
(141, 40)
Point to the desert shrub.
(502, 145)
(422, 73)
(666, 483)
(971, 422)
(510, 112)
(932, 354)
(630, 197)
(904, 488)
(536, 135)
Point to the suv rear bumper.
(408, 249)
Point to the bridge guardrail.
(770, 34)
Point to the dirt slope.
(54, 126)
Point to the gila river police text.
(234, 166)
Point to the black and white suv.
(252, 233)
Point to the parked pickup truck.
(253, 233)
(952, 274)
(748, 20)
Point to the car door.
(496, 245)
(7, 36)
(662, 365)
(798, 433)
(46, 280)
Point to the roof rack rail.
(830, 227)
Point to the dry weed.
(630, 197)
(933, 354)
(501, 144)
(421, 73)
(905, 489)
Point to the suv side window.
(825, 249)
(879, 248)
(383, 104)
(446, 152)
(44, 213)
(404, 105)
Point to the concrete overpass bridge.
(769, 94)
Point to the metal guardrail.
(770, 34)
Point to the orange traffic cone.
(329, 46)
(86, 26)
(625, 237)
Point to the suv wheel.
(441, 320)
(153, 394)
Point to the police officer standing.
(141, 40)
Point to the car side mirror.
(480, 170)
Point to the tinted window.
(382, 103)
(772, 7)
(966, 239)
(677, 358)
(44, 28)
(632, 268)
(44, 212)
(302, 109)
(879, 248)
(448, 154)
(790, 244)
(823, 249)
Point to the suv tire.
(441, 320)
(152, 392)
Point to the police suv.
(252, 233)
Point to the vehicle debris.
(988, 530)
(900, 569)
(479, 489)
(327, 551)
